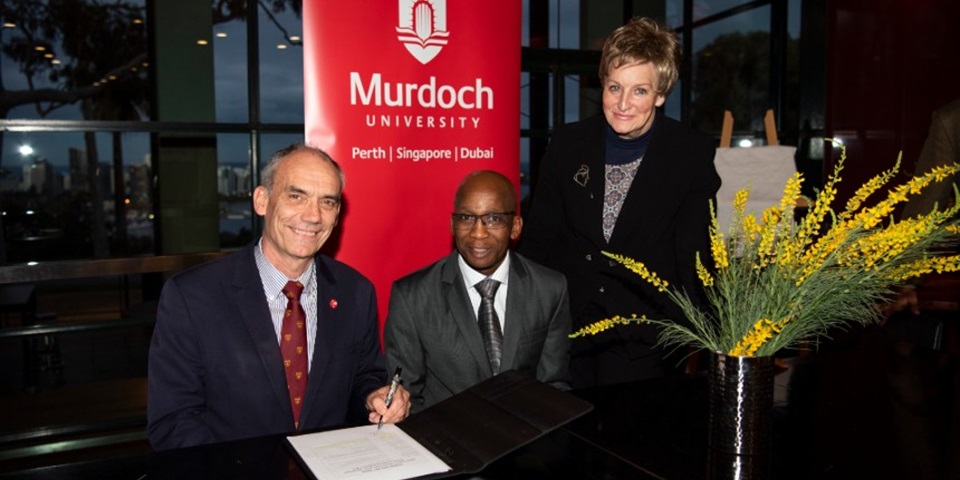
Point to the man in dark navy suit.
(216, 371)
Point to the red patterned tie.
(293, 347)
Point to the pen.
(393, 389)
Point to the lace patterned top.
(617, 181)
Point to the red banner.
(409, 96)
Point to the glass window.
(234, 188)
(706, 8)
(281, 65)
(524, 100)
(789, 118)
(674, 16)
(565, 24)
(525, 25)
(270, 143)
(793, 18)
(672, 106)
(133, 233)
(571, 100)
(230, 69)
(79, 60)
(72, 195)
(731, 71)
(524, 171)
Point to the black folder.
(491, 419)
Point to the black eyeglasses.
(492, 220)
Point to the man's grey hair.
(268, 173)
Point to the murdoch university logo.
(423, 27)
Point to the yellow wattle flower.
(640, 269)
(718, 249)
(816, 257)
(791, 193)
(607, 324)
(740, 203)
(798, 254)
(768, 234)
(751, 229)
(870, 217)
(870, 187)
(944, 264)
(882, 246)
(816, 273)
(705, 277)
(761, 332)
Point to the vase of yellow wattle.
(773, 281)
(741, 404)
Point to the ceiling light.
(295, 38)
(201, 42)
(281, 47)
(221, 35)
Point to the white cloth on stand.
(764, 170)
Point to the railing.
(64, 270)
(74, 269)
(55, 432)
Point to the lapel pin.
(582, 175)
(333, 303)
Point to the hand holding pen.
(390, 403)
(390, 393)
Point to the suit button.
(613, 262)
(601, 290)
(589, 257)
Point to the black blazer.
(215, 371)
(664, 222)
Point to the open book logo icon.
(423, 27)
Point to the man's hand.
(399, 407)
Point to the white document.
(365, 453)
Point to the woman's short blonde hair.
(644, 40)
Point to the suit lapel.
(328, 329)
(593, 160)
(251, 302)
(518, 289)
(460, 309)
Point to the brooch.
(582, 175)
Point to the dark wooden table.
(869, 404)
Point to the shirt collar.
(274, 280)
(472, 277)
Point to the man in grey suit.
(432, 327)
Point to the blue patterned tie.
(489, 323)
